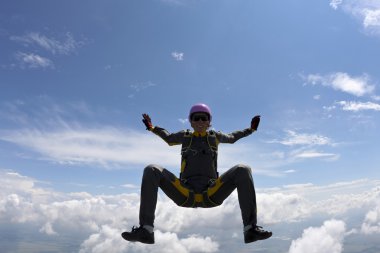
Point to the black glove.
(255, 122)
(147, 121)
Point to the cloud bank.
(97, 220)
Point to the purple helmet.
(200, 108)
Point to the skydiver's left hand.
(147, 121)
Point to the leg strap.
(198, 199)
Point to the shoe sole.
(257, 239)
(125, 237)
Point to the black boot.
(256, 233)
(139, 234)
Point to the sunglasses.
(200, 118)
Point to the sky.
(75, 77)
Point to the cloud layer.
(99, 219)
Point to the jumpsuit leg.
(239, 177)
(156, 176)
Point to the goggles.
(201, 117)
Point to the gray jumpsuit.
(199, 184)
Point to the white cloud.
(48, 131)
(142, 86)
(357, 86)
(335, 3)
(138, 87)
(366, 11)
(300, 146)
(315, 154)
(178, 56)
(110, 148)
(106, 147)
(109, 237)
(293, 207)
(98, 220)
(130, 186)
(334, 199)
(329, 237)
(31, 60)
(371, 18)
(371, 223)
(183, 121)
(196, 243)
(52, 45)
(358, 106)
(293, 138)
(48, 229)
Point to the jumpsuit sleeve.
(169, 138)
(234, 136)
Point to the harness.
(186, 146)
(198, 199)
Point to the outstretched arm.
(234, 136)
(170, 138)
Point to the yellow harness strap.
(198, 197)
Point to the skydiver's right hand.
(255, 122)
(147, 121)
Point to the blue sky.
(75, 78)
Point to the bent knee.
(242, 168)
(152, 167)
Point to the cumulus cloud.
(333, 199)
(357, 86)
(96, 221)
(100, 219)
(108, 238)
(371, 222)
(367, 12)
(293, 207)
(47, 229)
(329, 237)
